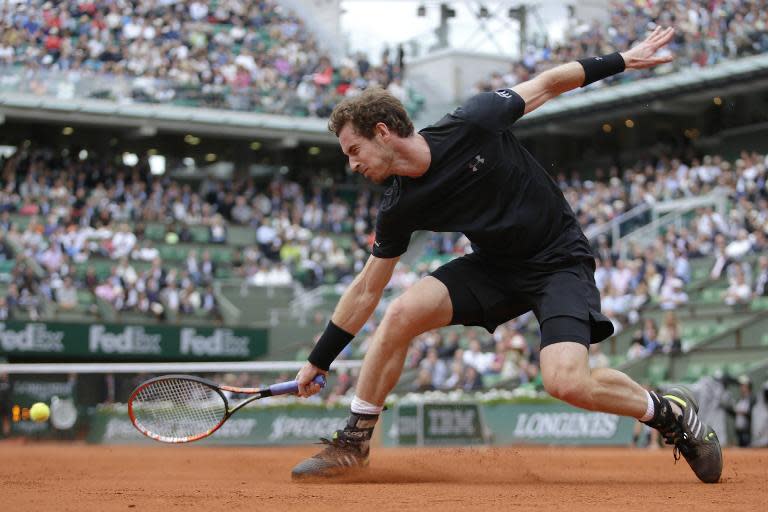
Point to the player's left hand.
(643, 55)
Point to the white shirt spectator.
(146, 252)
(620, 278)
(123, 243)
(672, 294)
(739, 247)
(198, 10)
(171, 298)
(473, 357)
(265, 234)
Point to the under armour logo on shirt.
(475, 164)
(504, 93)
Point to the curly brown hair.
(373, 106)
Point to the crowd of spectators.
(259, 56)
(707, 32)
(255, 56)
(83, 211)
(79, 212)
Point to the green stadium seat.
(700, 274)
(694, 372)
(712, 295)
(85, 298)
(199, 234)
(6, 266)
(154, 231)
(490, 380)
(171, 253)
(735, 369)
(220, 254)
(760, 303)
(224, 272)
(657, 372)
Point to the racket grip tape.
(292, 387)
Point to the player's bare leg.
(567, 376)
(423, 307)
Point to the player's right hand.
(304, 379)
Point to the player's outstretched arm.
(353, 310)
(556, 81)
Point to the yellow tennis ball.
(39, 412)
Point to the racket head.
(177, 408)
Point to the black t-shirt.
(483, 183)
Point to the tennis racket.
(185, 408)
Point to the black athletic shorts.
(565, 301)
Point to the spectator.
(669, 335)
(761, 280)
(672, 294)
(5, 310)
(476, 358)
(760, 419)
(66, 295)
(424, 381)
(217, 231)
(436, 368)
(738, 292)
(122, 243)
(741, 410)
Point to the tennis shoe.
(696, 441)
(346, 452)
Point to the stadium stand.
(707, 33)
(252, 56)
(127, 245)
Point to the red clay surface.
(83, 478)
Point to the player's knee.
(399, 317)
(568, 388)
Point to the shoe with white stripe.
(693, 439)
(343, 454)
(346, 452)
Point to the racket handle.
(292, 387)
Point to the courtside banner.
(27, 391)
(443, 423)
(125, 342)
(273, 425)
(504, 423)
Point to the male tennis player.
(468, 173)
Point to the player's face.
(370, 157)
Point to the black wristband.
(597, 68)
(329, 346)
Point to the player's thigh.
(424, 306)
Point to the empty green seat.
(657, 372)
(694, 371)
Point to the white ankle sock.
(362, 407)
(649, 410)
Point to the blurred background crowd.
(706, 32)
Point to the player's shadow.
(385, 476)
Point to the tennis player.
(468, 173)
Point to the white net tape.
(178, 408)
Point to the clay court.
(84, 478)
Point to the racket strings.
(178, 409)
